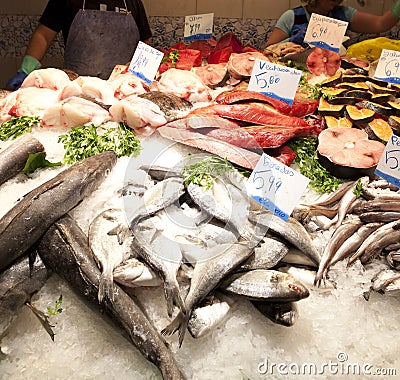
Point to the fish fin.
(174, 325)
(183, 327)
(122, 232)
(43, 319)
(173, 297)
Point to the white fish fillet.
(50, 78)
(127, 84)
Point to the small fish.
(379, 216)
(384, 278)
(265, 285)
(133, 272)
(106, 249)
(379, 204)
(282, 313)
(393, 259)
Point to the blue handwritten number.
(392, 68)
(266, 82)
(318, 31)
(392, 158)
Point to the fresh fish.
(156, 198)
(107, 251)
(159, 173)
(218, 263)
(393, 258)
(17, 285)
(305, 275)
(14, 157)
(282, 313)
(297, 257)
(291, 230)
(139, 181)
(269, 253)
(64, 248)
(26, 222)
(353, 242)
(302, 212)
(172, 105)
(265, 285)
(374, 241)
(383, 184)
(340, 235)
(379, 216)
(208, 315)
(394, 286)
(379, 204)
(164, 256)
(384, 278)
(133, 272)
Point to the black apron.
(99, 40)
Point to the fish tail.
(106, 286)
(183, 327)
(174, 325)
(173, 297)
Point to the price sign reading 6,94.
(389, 164)
(277, 81)
(388, 68)
(276, 186)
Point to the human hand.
(14, 83)
(298, 38)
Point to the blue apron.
(99, 40)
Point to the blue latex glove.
(14, 83)
(298, 38)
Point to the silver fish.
(379, 216)
(133, 272)
(14, 157)
(378, 204)
(164, 256)
(106, 249)
(159, 173)
(383, 278)
(207, 275)
(26, 222)
(282, 313)
(65, 250)
(17, 285)
(265, 285)
(340, 235)
(297, 257)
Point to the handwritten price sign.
(277, 81)
(325, 32)
(145, 62)
(389, 164)
(388, 68)
(198, 27)
(276, 186)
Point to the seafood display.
(166, 249)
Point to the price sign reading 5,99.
(276, 186)
(277, 81)
(388, 68)
(389, 164)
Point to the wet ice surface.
(333, 324)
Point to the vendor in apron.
(97, 34)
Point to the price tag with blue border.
(389, 165)
(198, 27)
(145, 62)
(388, 68)
(276, 81)
(276, 186)
(325, 32)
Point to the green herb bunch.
(88, 140)
(17, 126)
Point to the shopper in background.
(292, 25)
(97, 36)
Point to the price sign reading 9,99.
(276, 186)
(388, 68)
(389, 164)
(277, 81)
(198, 27)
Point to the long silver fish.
(65, 249)
(107, 251)
(26, 222)
(379, 216)
(207, 275)
(266, 285)
(164, 256)
(281, 313)
(14, 157)
(17, 285)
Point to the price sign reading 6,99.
(388, 68)
(389, 164)
(276, 186)
(277, 81)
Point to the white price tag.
(276, 186)
(198, 27)
(145, 62)
(388, 68)
(389, 164)
(325, 32)
(276, 81)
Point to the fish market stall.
(216, 286)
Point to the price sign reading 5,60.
(389, 164)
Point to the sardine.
(26, 222)
(17, 285)
(207, 275)
(340, 235)
(106, 249)
(65, 249)
(164, 256)
(14, 157)
(133, 272)
(282, 313)
(265, 285)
